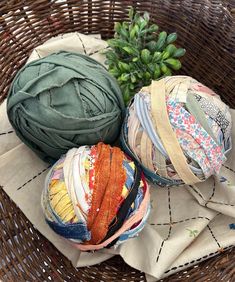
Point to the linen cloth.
(186, 225)
(90, 45)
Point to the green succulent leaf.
(143, 23)
(107, 62)
(152, 45)
(165, 55)
(151, 67)
(135, 59)
(124, 33)
(154, 28)
(146, 16)
(139, 53)
(179, 53)
(123, 66)
(145, 56)
(124, 77)
(131, 86)
(171, 49)
(132, 33)
(136, 17)
(126, 94)
(168, 72)
(115, 72)
(164, 68)
(137, 29)
(125, 25)
(173, 63)
(161, 40)
(133, 78)
(110, 55)
(147, 75)
(131, 50)
(140, 74)
(117, 27)
(157, 56)
(157, 72)
(114, 43)
(171, 38)
(131, 13)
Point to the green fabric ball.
(63, 101)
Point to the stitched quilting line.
(199, 194)
(213, 190)
(170, 225)
(160, 250)
(97, 51)
(229, 168)
(35, 176)
(83, 46)
(180, 221)
(207, 201)
(7, 132)
(213, 235)
(212, 195)
(221, 203)
(199, 259)
(37, 53)
(169, 204)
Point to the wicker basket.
(205, 28)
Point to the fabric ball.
(96, 197)
(178, 130)
(63, 101)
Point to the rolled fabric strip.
(62, 101)
(178, 130)
(96, 197)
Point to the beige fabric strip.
(149, 146)
(133, 126)
(161, 164)
(167, 135)
(179, 88)
(146, 151)
(143, 149)
(137, 143)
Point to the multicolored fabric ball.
(178, 130)
(96, 197)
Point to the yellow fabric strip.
(166, 133)
(60, 201)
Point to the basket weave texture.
(205, 28)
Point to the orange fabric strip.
(108, 194)
(102, 174)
